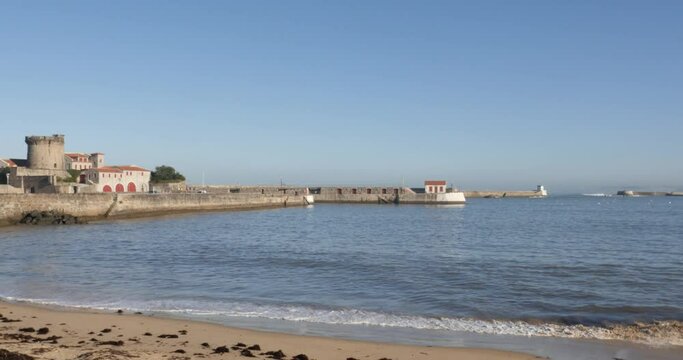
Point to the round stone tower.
(45, 152)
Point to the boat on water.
(597, 195)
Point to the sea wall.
(136, 204)
(14, 206)
(503, 194)
(112, 205)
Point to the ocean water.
(560, 266)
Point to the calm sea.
(479, 267)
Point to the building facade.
(82, 161)
(77, 161)
(120, 179)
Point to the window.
(441, 188)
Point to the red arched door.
(131, 187)
(119, 188)
(106, 188)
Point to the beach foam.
(658, 333)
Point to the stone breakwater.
(503, 194)
(384, 195)
(15, 207)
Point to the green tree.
(73, 176)
(165, 173)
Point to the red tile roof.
(108, 169)
(435, 182)
(131, 168)
(118, 169)
(78, 155)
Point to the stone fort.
(48, 169)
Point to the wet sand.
(50, 333)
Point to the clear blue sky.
(577, 95)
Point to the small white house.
(435, 186)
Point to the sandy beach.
(51, 333)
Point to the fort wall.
(9, 189)
(45, 152)
(250, 189)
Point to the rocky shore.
(49, 218)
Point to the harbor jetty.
(435, 192)
(648, 193)
(538, 193)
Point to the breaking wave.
(657, 333)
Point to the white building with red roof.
(77, 161)
(120, 179)
(435, 187)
